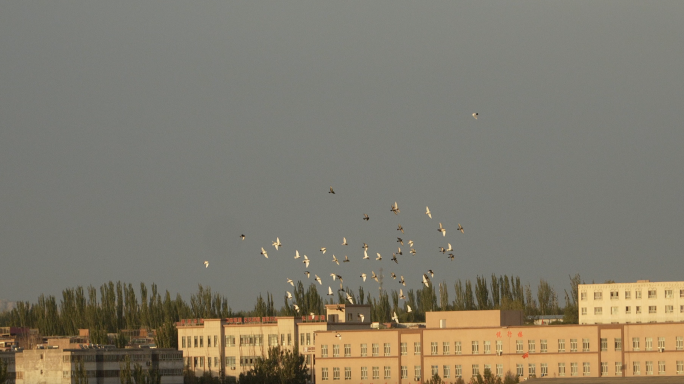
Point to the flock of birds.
(394, 209)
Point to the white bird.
(431, 272)
(206, 264)
(394, 258)
(330, 292)
(450, 248)
(290, 281)
(263, 252)
(401, 295)
(361, 317)
(335, 260)
(410, 243)
(344, 241)
(306, 261)
(451, 256)
(297, 254)
(277, 243)
(319, 280)
(399, 251)
(296, 307)
(331, 190)
(427, 212)
(363, 275)
(395, 317)
(307, 273)
(333, 276)
(379, 257)
(408, 308)
(475, 115)
(395, 208)
(346, 259)
(400, 228)
(426, 280)
(351, 299)
(365, 255)
(374, 276)
(442, 249)
(242, 236)
(365, 246)
(413, 251)
(401, 281)
(400, 240)
(460, 228)
(323, 250)
(441, 229)
(394, 276)
(365, 217)
(289, 295)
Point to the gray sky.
(138, 139)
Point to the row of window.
(229, 340)
(637, 310)
(615, 295)
(636, 368)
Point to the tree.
(125, 374)
(435, 379)
(482, 293)
(571, 311)
(510, 378)
(80, 374)
(3, 371)
(546, 298)
(166, 336)
(281, 367)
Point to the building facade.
(628, 303)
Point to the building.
(12, 338)
(231, 346)
(628, 303)
(57, 366)
(465, 343)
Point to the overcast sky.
(139, 139)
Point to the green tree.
(3, 371)
(125, 374)
(435, 379)
(281, 367)
(166, 336)
(80, 374)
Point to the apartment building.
(231, 346)
(628, 303)
(465, 343)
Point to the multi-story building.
(626, 303)
(231, 346)
(102, 365)
(465, 343)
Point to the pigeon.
(333, 276)
(323, 250)
(475, 115)
(206, 264)
(330, 292)
(410, 243)
(365, 217)
(426, 280)
(365, 255)
(363, 276)
(339, 308)
(289, 295)
(335, 260)
(263, 252)
(242, 236)
(296, 307)
(350, 299)
(427, 212)
(450, 248)
(431, 273)
(290, 281)
(379, 257)
(365, 246)
(306, 261)
(361, 317)
(413, 251)
(319, 280)
(394, 258)
(399, 252)
(394, 276)
(460, 228)
(451, 256)
(400, 240)
(401, 281)
(344, 241)
(408, 308)
(395, 318)
(346, 259)
(395, 208)
(307, 273)
(331, 190)
(297, 254)
(441, 249)
(400, 228)
(441, 229)
(401, 295)
(374, 276)
(277, 243)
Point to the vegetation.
(80, 373)
(281, 367)
(3, 371)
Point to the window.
(301, 337)
(604, 368)
(476, 347)
(661, 367)
(308, 339)
(289, 339)
(499, 370)
(531, 370)
(518, 346)
(598, 295)
(376, 349)
(584, 311)
(201, 361)
(530, 346)
(336, 373)
(404, 371)
(195, 341)
(487, 347)
(680, 367)
(649, 344)
(445, 348)
(585, 345)
(230, 362)
(614, 295)
(573, 369)
(669, 309)
(661, 342)
(542, 346)
(272, 340)
(628, 294)
(435, 370)
(636, 368)
(637, 294)
(458, 370)
(649, 367)
(183, 341)
(598, 311)
(404, 349)
(614, 310)
(364, 350)
(416, 348)
(651, 309)
(561, 345)
(618, 368)
(476, 369)
(347, 373)
(376, 373)
(681, 309)
(387, 349)
(573, 345)
(679, 343)
(635, 343)
(324, 373)
(364, 373)
(336, 350)
(433, 348)
(519, 370)
(457, 347)
(668, 294)
(583, 296)
(487, 367)
(347, 350)
(561, 369)
(604, 345)
(628, 310)
(324, 350)
(544, 370)
(388, 372)
(638, 309)
(618, 343)
(209, 361)
(201, 341)
(416, 372)
(499, 346)
(651, 294)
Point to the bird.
(306, 261)
(395, 318)
(400, 240)
(339, 308)
(350, 299)
(333, 276)
(323, 250)
(330, 292)
(297, 254)
(395, 208)
(410, 243)
(296, 307)
(363, 276)
(206, 264)
(399, 252)
(475, 115)
(335, 260)
(365, 217)
(401, 294)
(365, 255)
(374, 276)
(426, 280)
(441, 229)
(290, 281)
(413, 251)
(450, 248)
(263, 252)
(340, 279)
(394, 276)
(379, 257)
(361, 317)
(365, 246)
(427, 212)
(319, 280)
(344, 241)
(289, 295)
(451, 256)
(307, 273)
(394, 258)
(277, 243)
(400, 228)
(408, 308)
(460, 228)
(431, 272)
(331, 190)
(242, 236)
(346, 259)
(441, 249)
(401, 281)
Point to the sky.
(139, 139)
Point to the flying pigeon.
(323, 250)
(400, 228)
(335, 260)
(242, 236)
(319, 280)
(427, 212)
(395, 208)
(441, 229)
(379, 257)
(365, 217)
(460, 228)
(330, 292)
(401, 281)
(344, 241)
(206, 264)
(331, 190)
(277, 243)
(263, 252)
(290, 281)
(363, 275)
(400, 240)
(475, 115)
(346, 259)
(297, 254)
(365, 255)
(306, 261)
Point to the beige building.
(465, 343)
(232, 345)
(627, 303)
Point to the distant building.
(547, 319)
(629, 303)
